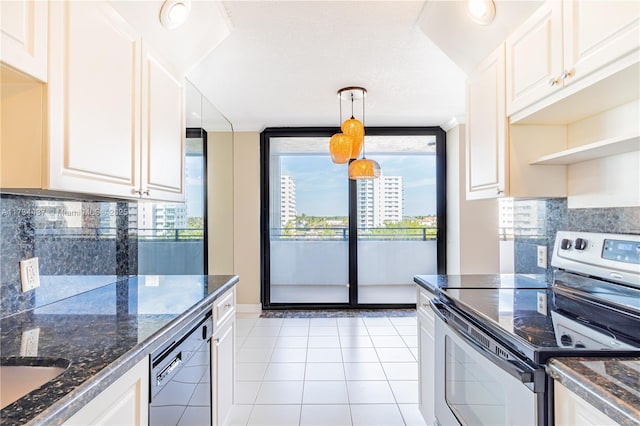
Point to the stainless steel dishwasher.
(181, 377)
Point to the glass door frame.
(265, 234)
(201, 133)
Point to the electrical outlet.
(542, 257)
(29, 274)
(29, 342)
(542, 303)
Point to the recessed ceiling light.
(174, 13)
(482, 11)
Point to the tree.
(195, 223)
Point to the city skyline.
(322, 186)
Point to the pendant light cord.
(363, 136)
(352, 104)
(340, 104)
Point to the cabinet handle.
(228, 305)
(567, 73)
(141, 192)
(553, 82)
(217, 340)
(500, 191)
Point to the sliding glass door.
(328, 241)
(397, 219)
(308, 223)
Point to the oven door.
(477, 380)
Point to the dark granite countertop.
(609, 384)
(436, 283)
(103, 332)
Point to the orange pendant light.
(349, 144)
(364, 169)
(340, 148)
(354, 128)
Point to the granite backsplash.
(93, 243)
(535, 222)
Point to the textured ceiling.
(279, 63)
(284, 61)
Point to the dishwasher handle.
(166, 371)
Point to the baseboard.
(249, 308)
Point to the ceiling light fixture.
(174, 13)
(346, 146)
(481, 11)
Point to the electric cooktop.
(579, 314)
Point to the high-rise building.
(380, 201)
(288, 212)
(155, 218)
(529, 218)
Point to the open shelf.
(604, 148)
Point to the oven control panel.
(622, 250)
(614, 257)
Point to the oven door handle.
(529, 376)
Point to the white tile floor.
(326, 371)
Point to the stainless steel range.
(492, 344)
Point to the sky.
(193, 176)
(321, 185)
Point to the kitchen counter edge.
(600, 391)
(65, 407)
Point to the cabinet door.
(223, 371)
(597, 33)
(571, 410)
(426, 366)
(486, 130)
(94, 100)
(23, 36)
(534, 58)
(124, 402)
(162, 131)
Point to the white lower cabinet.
(426, 340)
(124, 402)
(223, 358)
(572, 410)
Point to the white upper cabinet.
(597, 34)
(566, 47)
(94, 101)
(162, 130)
(110, 121)
(534, 58)
(23, 36)
(498, 154)
(486, 130)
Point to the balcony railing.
(342, 233)
(178, 234)
(107, 233)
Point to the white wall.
(610, 181)
(473, 245)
